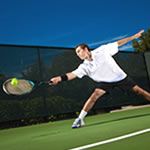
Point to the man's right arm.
(58, 79)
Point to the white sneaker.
(78, 123)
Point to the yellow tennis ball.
(14, 81)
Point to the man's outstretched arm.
(58, 79)
(126, 40)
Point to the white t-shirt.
(103, 67)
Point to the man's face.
(82, 53)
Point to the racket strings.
(22, 87)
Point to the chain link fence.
(42, 63)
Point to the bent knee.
(138, 90)
(99, 92)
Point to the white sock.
(82, 114)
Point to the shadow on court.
(118, 119)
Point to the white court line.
(112, 140)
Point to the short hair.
(83, 45)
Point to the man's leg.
(87, 106)
(93, 98)
(138, 90)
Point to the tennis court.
(59, 135)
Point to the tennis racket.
(23, 87)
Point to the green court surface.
(59, 135)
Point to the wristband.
(64, 77)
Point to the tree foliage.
(143, 44)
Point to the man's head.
(82, 51)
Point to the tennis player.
(100, 66)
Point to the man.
(100, 66)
